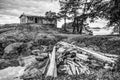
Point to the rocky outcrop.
(11, 49)
(14, 50)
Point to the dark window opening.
(36, 20)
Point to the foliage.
(72, 7)
(109, 10)
(51, 15)
(63, 14)
(95, 9)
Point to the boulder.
(12, 48)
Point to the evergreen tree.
(94, 9)
(63, 12)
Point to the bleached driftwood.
(95, 54)
(52, 71)
(77, 64)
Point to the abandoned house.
(37, 19)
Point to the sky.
(10, 10)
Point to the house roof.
(43, 17)
(28, 15)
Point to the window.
(30, 18)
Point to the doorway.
(36, 20)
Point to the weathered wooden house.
(24, 18)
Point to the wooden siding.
(38, 20)
(23, 19)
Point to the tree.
(109, 10)
(95, 9)
(66, 8)
(74, 6)
(51, 14)
(71, 7)
(63, 12)
(115, 13)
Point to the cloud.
(14, 8)
(8, 19)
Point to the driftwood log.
(77, 60)
(70, 59)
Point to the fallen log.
(95, 54)
(52, 71)
(76, 60)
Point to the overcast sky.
(10, 10)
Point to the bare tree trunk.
(119, 28)
(81, 28)
(65, 24)
(78, 28)
(82, 21)
(118, 25)
(74, 22)
(73, 25)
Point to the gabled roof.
(28, 15)
(42, 17)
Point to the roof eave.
(21, 16)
